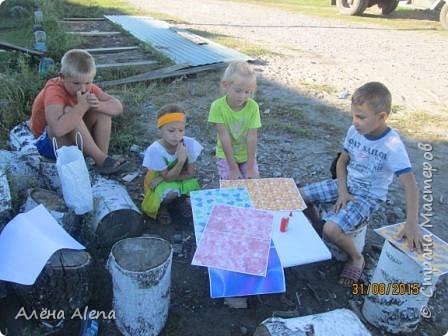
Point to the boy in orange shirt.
(69, 104)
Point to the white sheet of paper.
(300, 244)
(28, 241)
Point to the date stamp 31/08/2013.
(381, 288)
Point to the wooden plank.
(111, 49)
(84, 19)
(94, 33)
(115, 65)
(164, 73)
(9, 46)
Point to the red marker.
(284, 224)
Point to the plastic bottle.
(89, 327)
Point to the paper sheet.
(437, 248)
(236, 239)
(300, 244)
(270, 193)
(226, 283)
(28, 241)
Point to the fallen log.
(20, 174)
(114, 216)
(5, 200)
(319, 324)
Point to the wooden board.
(164, 73)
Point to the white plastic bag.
(74, 176)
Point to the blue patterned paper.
(226, 283)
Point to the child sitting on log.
(171, 166)
(70, 103)
(373, 153)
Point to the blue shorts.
(45, 146)
(349, 217)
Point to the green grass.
(97, 8)
(424, 124)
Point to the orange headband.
(170, 117)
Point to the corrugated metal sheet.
(181, 50)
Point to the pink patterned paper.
(236, 239)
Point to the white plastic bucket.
(141, 276)
(396, 309)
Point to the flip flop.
(111, 166)
(351, 273)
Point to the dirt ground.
(304, 123)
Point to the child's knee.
(333, 231)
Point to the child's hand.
(235, 174)
(93, 101)
(155, 182)
(82, 99)
(413, 236)
(252, 173)
(181, 152)
(343, 199)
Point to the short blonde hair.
(240, 68)
(77, 62)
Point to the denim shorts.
(348, 217)
(45, 146)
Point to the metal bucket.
(388, 309)
(141, 276)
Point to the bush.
(18, 87)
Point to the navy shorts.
(45, 146)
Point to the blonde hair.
(240, 68)
(76, 62)
(376, 95)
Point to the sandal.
(164, 217)
(351, 274)
(111, 166)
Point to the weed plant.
(18, 87)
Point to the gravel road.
(412, 63)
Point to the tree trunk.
(114, 215)
(57, 208)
